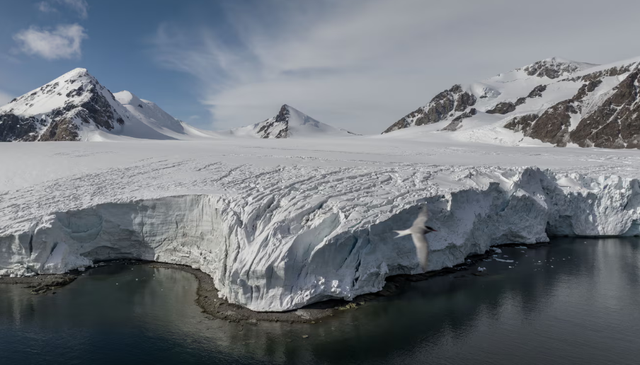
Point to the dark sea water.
(576, 301)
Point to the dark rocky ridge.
(267, 130)
(455, 123)
(537, 91)
(438, 109)
(15, 128)
(594, 116)
(615, 123)
(551, 68)
(502, 108)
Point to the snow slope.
(282, 225)
(553, 101)
(289, 123)
(152, 116)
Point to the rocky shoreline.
(218, 308)
(41, 284)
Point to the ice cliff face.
(289, 123)
(324, 233)
(554, 101)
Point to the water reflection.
(572, 301)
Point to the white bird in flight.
(418, 231)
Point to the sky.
(359, 64)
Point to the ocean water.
(574, 301)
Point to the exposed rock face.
(537, 91)
(586, 89)
(276, 127)
(613, 71)
(552, 68)
(13, 128)
(522, 123)
(455, 123)
(290, 123)
(439, 108)
(60, 130)
(502, 108)
(553, 125)
(58, 110)
(570, 102)
(616, 123)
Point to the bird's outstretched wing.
(422, 249)
(421, 220)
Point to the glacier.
(282, 224)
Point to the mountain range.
(554, 101)
(289, 123)
(75, 107)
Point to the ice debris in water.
(481, 269)
(503, 260)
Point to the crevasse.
(275, 254)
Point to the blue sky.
(358, 64)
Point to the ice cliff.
(291, 236)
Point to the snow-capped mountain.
(76, 107)
(63, 110)
(152, 116)
(554, 101)
(289, 123)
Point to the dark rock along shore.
(211, 304)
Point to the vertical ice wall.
(273, 253)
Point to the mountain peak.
(288, 123)
(555, 67)
(76, 75)
(61, 109)
(79, 71)
(72, 88)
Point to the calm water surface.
(575, 301)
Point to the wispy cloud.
(345, 63)
(363, 64)
(81, 7)
(63, 42)
(46, 7)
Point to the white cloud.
(80, 6)
(62, 42)
(46, 7)
(4, 98)
(362, 65)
